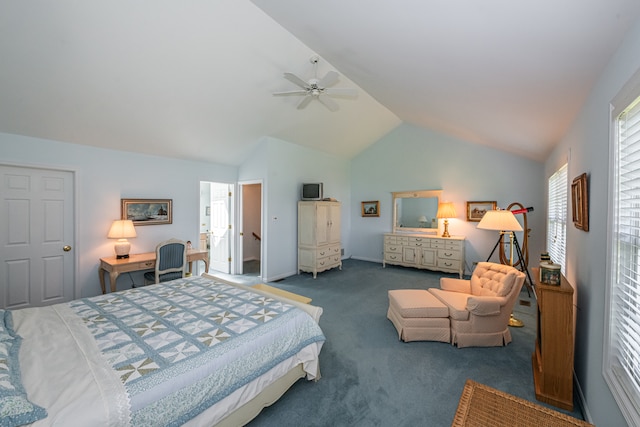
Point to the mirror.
(415, 211)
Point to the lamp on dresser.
(122, 229)
(446, 211)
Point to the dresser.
(319, 246)
(425, 251)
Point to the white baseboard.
(379, 261)
(581, 401)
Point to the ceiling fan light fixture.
(317, 88)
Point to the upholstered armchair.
(480, 308)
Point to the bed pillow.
(15, 407)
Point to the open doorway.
(216, 223)
(251, 232)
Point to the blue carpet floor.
(370, 378)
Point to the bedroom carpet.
(370, 378)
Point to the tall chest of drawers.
(424, 251)
(319, 246)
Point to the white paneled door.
(37, 260)
(220, 251)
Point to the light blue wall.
(288, 166)
(587, 146)
(412, 158)
(103, 177)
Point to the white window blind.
(622, 358)
(557, 216)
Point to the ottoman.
(418, 316)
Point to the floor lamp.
(506, 223)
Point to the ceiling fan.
(316, 88)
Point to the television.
(312, 191)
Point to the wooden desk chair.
(171, 262)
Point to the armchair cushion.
(489, 279)
(456, 302)
(455, 285)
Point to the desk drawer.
(145, 265)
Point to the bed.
(196, 351)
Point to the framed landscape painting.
(371, 208)
(147, 211)
(476, 210)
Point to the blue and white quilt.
(178, 348)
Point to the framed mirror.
(415, 211)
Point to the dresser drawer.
(392, 248)
(449, 254)
(328, 262)
(449, 264)
(326, 251)
(419, 241)
(438, 243)
(393, 256)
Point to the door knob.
(66, 248)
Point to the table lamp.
(423, 221)
(122, 229)
(446, 211)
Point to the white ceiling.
(195, 80)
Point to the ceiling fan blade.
(296, 80)
(328, 102)
(339, 91)
(305, 101)
(291, 92)
(330, 78)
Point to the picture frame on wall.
(580, 202)
(371, 208)
(476, 210)
(147, 211)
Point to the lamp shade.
(446, 210)
(422, 219)
(501, 220)
(122, 229)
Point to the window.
(622, 335)
(557, 216)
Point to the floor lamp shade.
(500, 220)
(446, 211)
(122, 230)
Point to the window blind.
(623, 359)
(557, 216)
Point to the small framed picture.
(580, 202)
(147, 211)
(371, 208)
(476, 210)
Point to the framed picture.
(580, 202)
(371, 208)
(147, 211)
(476, 210)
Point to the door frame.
(239, 253)
(74, 208)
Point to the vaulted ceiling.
(195, 80)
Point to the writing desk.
(139, 262)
